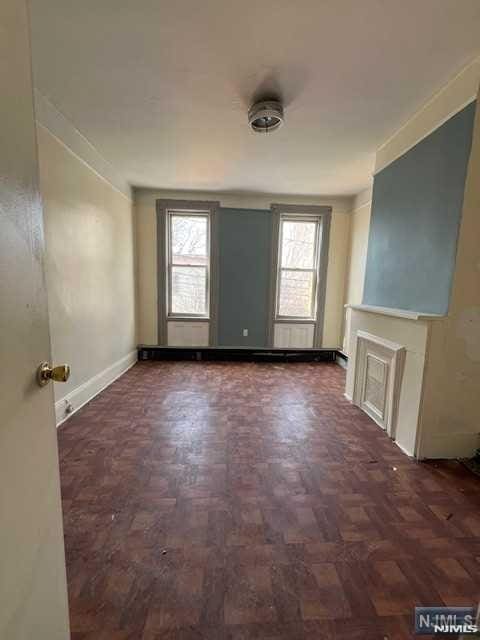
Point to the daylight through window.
(297, 268)
(188, 263)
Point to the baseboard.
(341, 358)
(245, 354)
(408, 453)
(77, 398)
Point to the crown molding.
(362, 199)
(242, 200)
(49, 117)
(460, 91)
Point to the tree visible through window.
(298, 265)
(189, 262)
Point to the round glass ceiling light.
(266, 116)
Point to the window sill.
(188, 319)
(295, 320)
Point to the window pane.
(188, 290)
(298, 244)
(296, 288)
(189, 239)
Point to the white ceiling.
(161, 87)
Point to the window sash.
(198, 271)
(171, 263)
(313, 270)
(307, 263)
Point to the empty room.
(239, 319)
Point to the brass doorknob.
(45, 373)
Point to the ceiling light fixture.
(266, 116)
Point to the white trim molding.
(452, 98)
(76, 399)
(362, 199)
(388, 358)
(244, 200)
(49, 117)
(395, 313)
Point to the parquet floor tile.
(243, 501)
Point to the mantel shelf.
(395, 313)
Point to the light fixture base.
(266, 116)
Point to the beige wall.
(336, 279)
(358, 245)
(89, 265)
(147, 255)
(357, 256)
(450, 421)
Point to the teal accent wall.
(416, 211)
(244, 240)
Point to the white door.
(33, 597)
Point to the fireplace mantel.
(395, 313)
(430, 421)
(410, 330)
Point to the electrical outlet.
(245, 333)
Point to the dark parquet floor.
(243, 501)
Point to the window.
(188, 237)
(298, 260)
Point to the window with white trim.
(188, 242)
(298, 264)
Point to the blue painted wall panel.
(416, 211)
(244, 273)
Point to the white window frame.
(181, 213)
(288, 217)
